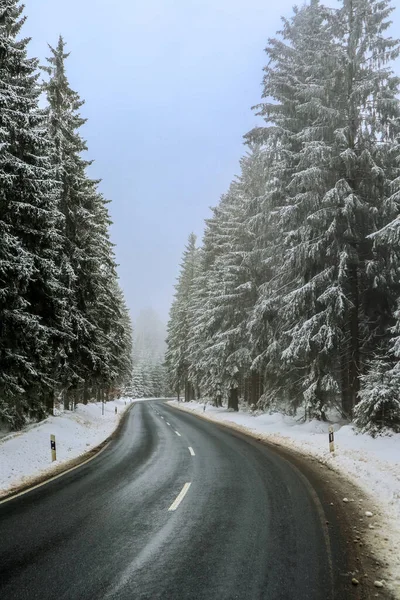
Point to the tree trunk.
(241, 384)
(255, 388)
(86, 393)
(354, 346)
(49, 400)
(186, 390)
(65, 399)
(246, 390)
(218, 399)
(346, 402)
(233, 399)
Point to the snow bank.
(26, 454)
(373, 464)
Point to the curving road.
(249, 526)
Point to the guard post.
(53, 447)
(331, 440)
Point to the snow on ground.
(26, 454)
(372, 464)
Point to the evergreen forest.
(291, 301)
(65, 331)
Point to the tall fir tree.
(33, 299)
(179, 325)
(333, 123)
(96, 306)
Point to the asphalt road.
(250, 526)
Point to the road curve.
(126, 526)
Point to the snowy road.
(176, 508)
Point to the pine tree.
(99, 352)
(137, 384)
(33, 299)
(225, 291)
(332, 125)
(379, 405)
(179, 325)
(369, 150)
(293, 325)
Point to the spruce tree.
(297, 324)
(33, 299)
(379, 406)
(369, 146)
(179, 325)
(225, 291)
(99, 350)
(333, 125)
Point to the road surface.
(175, 508)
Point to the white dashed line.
(162, 417)
(191, 451)
(180, 497)
(177, 433)
(168, 423)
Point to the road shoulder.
(63, 467)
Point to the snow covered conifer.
(99, 348)
(379, 405)
(179, 325)
(298, 312)
(225, 291)
(32, 297)
(148, 355)
(367, 146)
(333, 122)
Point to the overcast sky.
(169, 86)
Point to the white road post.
(331, 440)
(53, 447)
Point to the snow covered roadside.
(25, 455)
(372, 464)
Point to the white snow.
(371, 463)
(26, 454)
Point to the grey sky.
(168, 86)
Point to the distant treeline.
(149, 378)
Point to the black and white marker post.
(331, 440)
(53, 447)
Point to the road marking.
(180, 497)
(162, 417)
(168, 423)
(191, 451)
(177, 433)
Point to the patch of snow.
(26, 454)
(372, 463)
